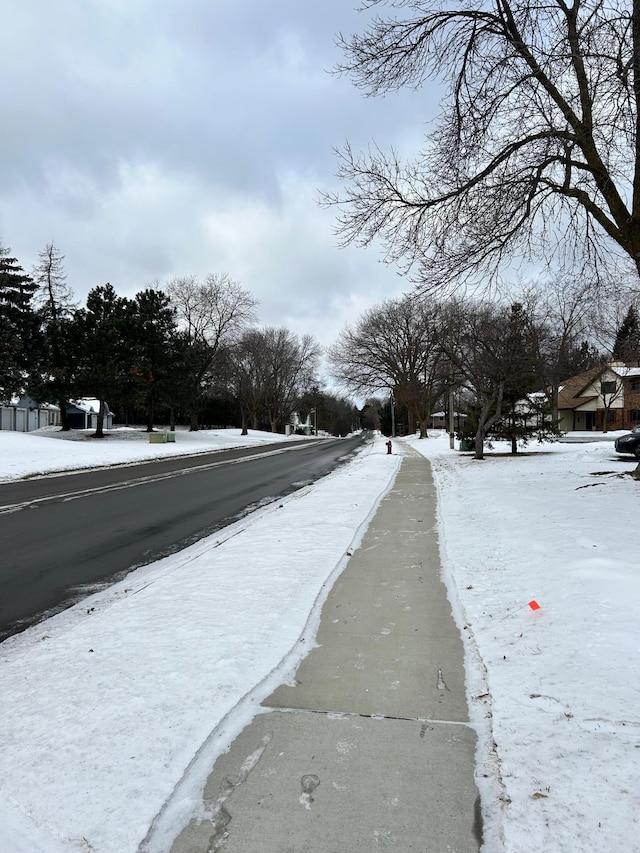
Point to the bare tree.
(212, 314)
(55, 303)
(537, 149)
(289, 369)
(246, 376)
(563, 310)
(494, 355)
(395, 346)
(54, 298)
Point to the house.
(440, 420)
(83, 414)
(23, 414)
(604, 398)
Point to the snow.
(122, 702)
(557, 688)
(24, 454)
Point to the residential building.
(606, 398)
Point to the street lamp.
(315, 421)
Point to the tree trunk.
(243, 416)
(514, 444)
(274, 426)
(64, 415)
(99, 433)
(172, 419)
(194, 422)
(150, 414)
(486, 421)
(636, 472)
(554, 404)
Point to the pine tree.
(19, 326)
(155, 322)
(106, 329)
(627, 345)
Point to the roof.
(88, 405)
(625, 371)
(570, 391)
(26, 402)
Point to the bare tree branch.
(537, 150)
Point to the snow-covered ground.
(26, 454)
(104, 706)
(559, 685)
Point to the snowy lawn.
(26, 454)
(557, 688)
(105, 706)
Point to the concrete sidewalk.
(371, 749)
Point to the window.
(611, 416)
(608, 387)
(635, 415)
(635, 384)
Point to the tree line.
(499, 362)
(188, 351)
(191, 352)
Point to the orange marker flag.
(533, 604)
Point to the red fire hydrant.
(389, 446)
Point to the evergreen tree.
(155, 322)
(19, 327)
(583, 358)
(525, 414)
(107, 329)
(627, 345)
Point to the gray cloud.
(154, 139)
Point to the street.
(63, 535)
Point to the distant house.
(83, 414)
(440, 420)
(606, 397)
(23, 414)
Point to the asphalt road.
(61, 536)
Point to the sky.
(149, 140)
(552, 690)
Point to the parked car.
(629, 443)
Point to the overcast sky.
(155, 139)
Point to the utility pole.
(451, 413)
(393, 416)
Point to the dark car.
(629, 443)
